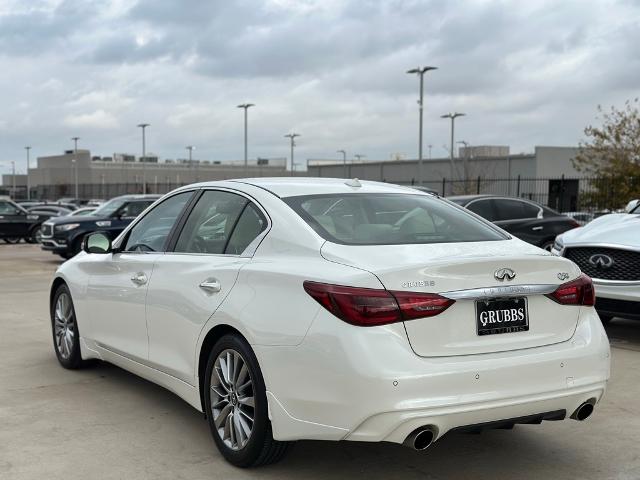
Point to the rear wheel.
(64, 327)
(12, 240)
(35, 236)
(236, 405)
(548, 245)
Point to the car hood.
(616, 228)
(81, 220)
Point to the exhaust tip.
(583, 412)
(420, 439)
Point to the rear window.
(390, 219)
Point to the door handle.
(139, 279)
(537, 228)
(211, 285)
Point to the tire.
(12, 240)
(547, 245)
(64, 329)
(605, 319)
(233, 395)
(35, 236)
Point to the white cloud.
(98, 119)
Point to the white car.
(608, 250)
(330, 309)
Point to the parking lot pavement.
(104, 423)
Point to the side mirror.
(97, 243)
(631, 205)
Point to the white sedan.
(330, 309)
(608, 249)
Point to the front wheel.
(548, 245)
(64, 327)
(236, 405)
(35, 236)
(12, 240)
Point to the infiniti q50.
(329, 309)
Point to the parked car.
(51, 210)
(35, 203)
(581, 217)
(63, 236)
(84, 211)
(608, 250)
(525, 219)
(327, 309)
(17, 223)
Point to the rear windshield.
(390, 219)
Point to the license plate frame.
(501, 322)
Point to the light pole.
(13, 179)
(429, 147)
(453, 117)
(190, 148)
(143, 126)
(420, 71)
(465, 158)
(246, 107)
(75, 164)
(344, 162)
(358, 156)
(28, 181)
(291, 137)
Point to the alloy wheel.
(232, 399)
(64, 328)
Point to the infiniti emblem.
(600, 260)
(504, 273)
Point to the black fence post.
(561, 205)
(444, 181)
(518, 187)
(478, 186)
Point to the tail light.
(576, 292)
(370, 307)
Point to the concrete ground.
(104, 423)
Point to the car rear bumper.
(618, 299)
(366, 384)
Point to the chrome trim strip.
(499, 292)
(615, 246)
(611, 283)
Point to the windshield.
(110, 207)
(390, 219)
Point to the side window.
(7, 208)
(515, 210)
(249, 226)
(133, 209)
(484, 208)
(211, 223)
(151, 232)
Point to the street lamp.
(291, 137)
(420, 71)
(28, 182)
(344, 162)
(143, 126)
(191, 148)
(429, 147)
(453, 117)
(75, 164)
(358, 156)
(246, 107)
(465, 157)
(13, 179)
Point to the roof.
(296, 186)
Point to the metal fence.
(563, 194)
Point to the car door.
(519, 218)
(118, 282)
(13, 220)
(196, 274)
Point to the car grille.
(625, 264)
(47, 230)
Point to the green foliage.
(612, 154)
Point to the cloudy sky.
(526, 73)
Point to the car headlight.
(67, 227)
(557, 244)
(104, 223)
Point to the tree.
(611, 154)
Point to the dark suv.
(63, 236)
(17, 223)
